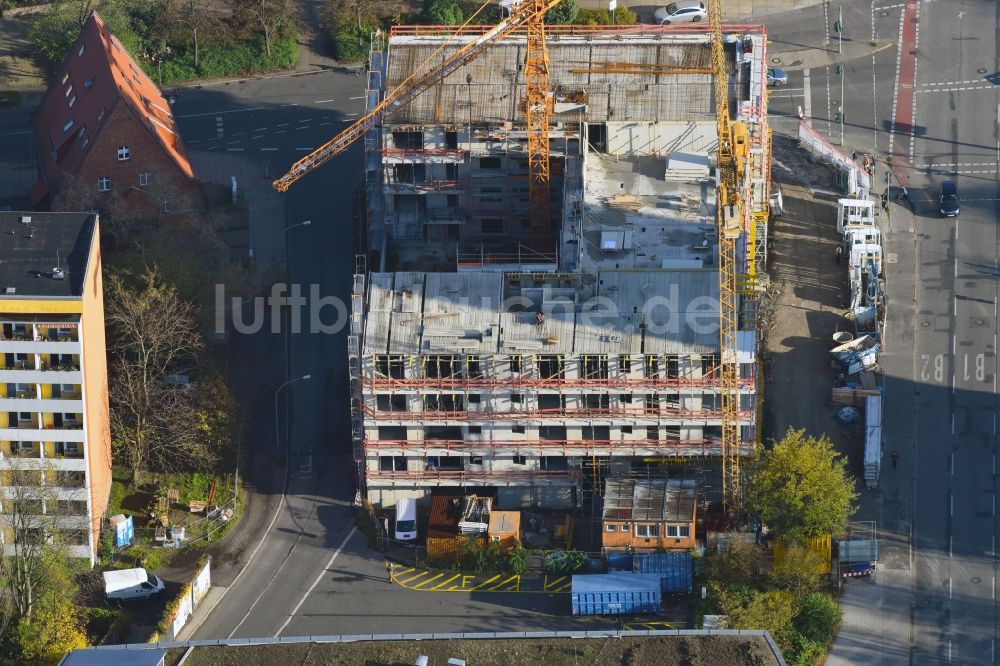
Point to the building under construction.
(490, 351)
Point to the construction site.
(528, 338)
(565, 245)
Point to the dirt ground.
(653, 651)
(18, 70)
(807, 302)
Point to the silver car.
(685, 11)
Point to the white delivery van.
(127, 584)
(406, 520)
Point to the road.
(935, 600)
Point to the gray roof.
(114, 657)
(649, 499)
(29, 251)
(497, 86)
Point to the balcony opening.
(449, 433)
(709, 363)
(672, 433)
(516, 398)
(476, 460)
(442, 367)
(598, 401)
(652, 404)
(552, 433)
(652, 366)
(596, 433)
(392, 463)
(673, 367)
(68, 479)
(408, 140)
(672, 400)
(520, 460)
(390, 365)
(446, 402)
(475, 368)
(475, 430)
(516, 363)
(550, 366)
(595, 367)
(390, 403)
(391, 433)
(712, 433)
(624, 364)
(653, 433)
(554, 463)
(518, 429)
(451, 140)
(551, 401)
(445, 463)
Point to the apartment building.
(484, 359)
(54, 422)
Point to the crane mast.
(728, 207)
(536, 112)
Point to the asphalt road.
(936, 602)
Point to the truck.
(125, 584)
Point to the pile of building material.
(686, 167)
(475, 515)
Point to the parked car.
(949, 199)
(126, 584)
(777, 77)
(684, 11)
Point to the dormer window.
(89, 83)
(68, 126)
(69, 90)
(83, 47)
(65, 78)
(72, 101)
(123, 154)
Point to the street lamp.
(303, 223)
(277, 430)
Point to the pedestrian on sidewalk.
(388, 564)
(895, 459)
(840, 251)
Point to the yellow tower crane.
(729, 203)
(529, 15)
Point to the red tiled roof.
(98, 74)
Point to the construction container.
(620, 561)
(821, 545)
(616, 594)
(674, 569)
(505, 528)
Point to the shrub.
(226, 59)
(444, 12)
(801, 651)
(564, 12)
(350, 43)
(819, 617)
(623, 16)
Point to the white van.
(406, 520)
(127, 584)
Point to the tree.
(57, 625)
(271, 17)
(772, 611)
(564, 12)
(736, 566)
(800, 487)
(798, 571)
(195, 19)
(53, 32)
(818, 618)
(444, 12)
(153, 335)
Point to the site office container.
(674, 569)
(616, 594)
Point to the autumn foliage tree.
(800, 487)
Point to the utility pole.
(840, 111)
(838, 27)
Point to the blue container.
(620, 561)
(674, 569)
(616, 594)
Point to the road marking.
(484, 584)
(292, 104)
(233, 143)
(412, 578)
(953, 423)
(259, 136)
(268, 149)
(359, 97)
(236, 150)
(515, 579)
(321, 124)
(951, 504)
(949, 589)
(429, 580)
(283, 124)
(318, 579)
(303, 149)
(306, 120)
(218, 113)
(323, 101)
(440, 585)
(280, 132)
(260, 129)
(951, 465)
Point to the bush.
(819, 618)
(350, 44)
(801, 651)
(564, 12)
(444, 12)
(226, 59)
(623, 16)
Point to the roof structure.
(96, 76)
(490, 90)
(650, 500)
(33, 245)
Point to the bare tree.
(270, 16)
(29, 535)
(153, 335)
(195, 18)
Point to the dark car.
(949, 199)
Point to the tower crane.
(732, 154)
(529, 15)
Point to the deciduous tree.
(800, 487)
(271, 17)
(153, 335)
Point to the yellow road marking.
(515, 578)
(440, 585)
(481, 585)
(402, 572)
(562, 588)
(413, 578)
(429, 580)
(549, 584)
